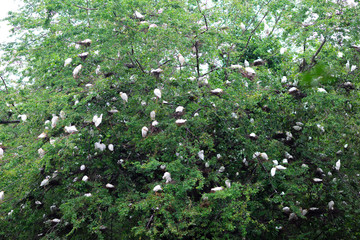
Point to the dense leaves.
(269, 95)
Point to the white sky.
(5, 7)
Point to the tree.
(264, 151)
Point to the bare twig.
(252, 32)
(216, 68)
(149, 222)
(318, 51)
(8, 122)
(197, 58)
(7, 91)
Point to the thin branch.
(85, 7)
(88, 13)
(197, 58)
(253, 31)
(276, 21)
(260, 9)
(7, 91)
(138, 63)
(216, 68)
(205, 19)
(142, 69)
(318, 51)
(169, 60)
(149, 222)
(8, 122)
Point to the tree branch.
(8, 122)
(197, 58)
(7, 91)
(318, 51)
(252, 32)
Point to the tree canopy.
(192, 119)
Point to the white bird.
(322, 90)
(250, 71)
(100, 146)
(217, 91)
(157, 188)
(45, 182)
(317, 180)
(242, 26)
(124, 96)
(273, 171)
(221, 169)
(86, 42)
(181, 59)
(228, 183)
(179, 109)
(1, 153)
(54, 121)
(321, 127)
(252, 135)
(87, 194)
(283, 50)
(67, 61)
(215, 189)
(138, 15)
(331, 205)
(353, 68)
(82, 167)
(157, 93)
(154, 123)
(180, 122)
(41, 152)
(152, 115)
(62, 115)
(55, 220)
(286, 210)
(293, 90)
(42, 135)
(97, 120)
(23, 117)
(70, 129)
(97, 70)
(77, 71)
(167, 177)
(297, 128)
(84, 55)
(85, 178)
(347, 65)
(144, 131)
(337, 165)
(201, 154)
(246, 63)
(109, 185)
(292, 216)
(280, 167)
(2, 196)
(111, 147)
(264, 156)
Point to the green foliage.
(229, 193)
